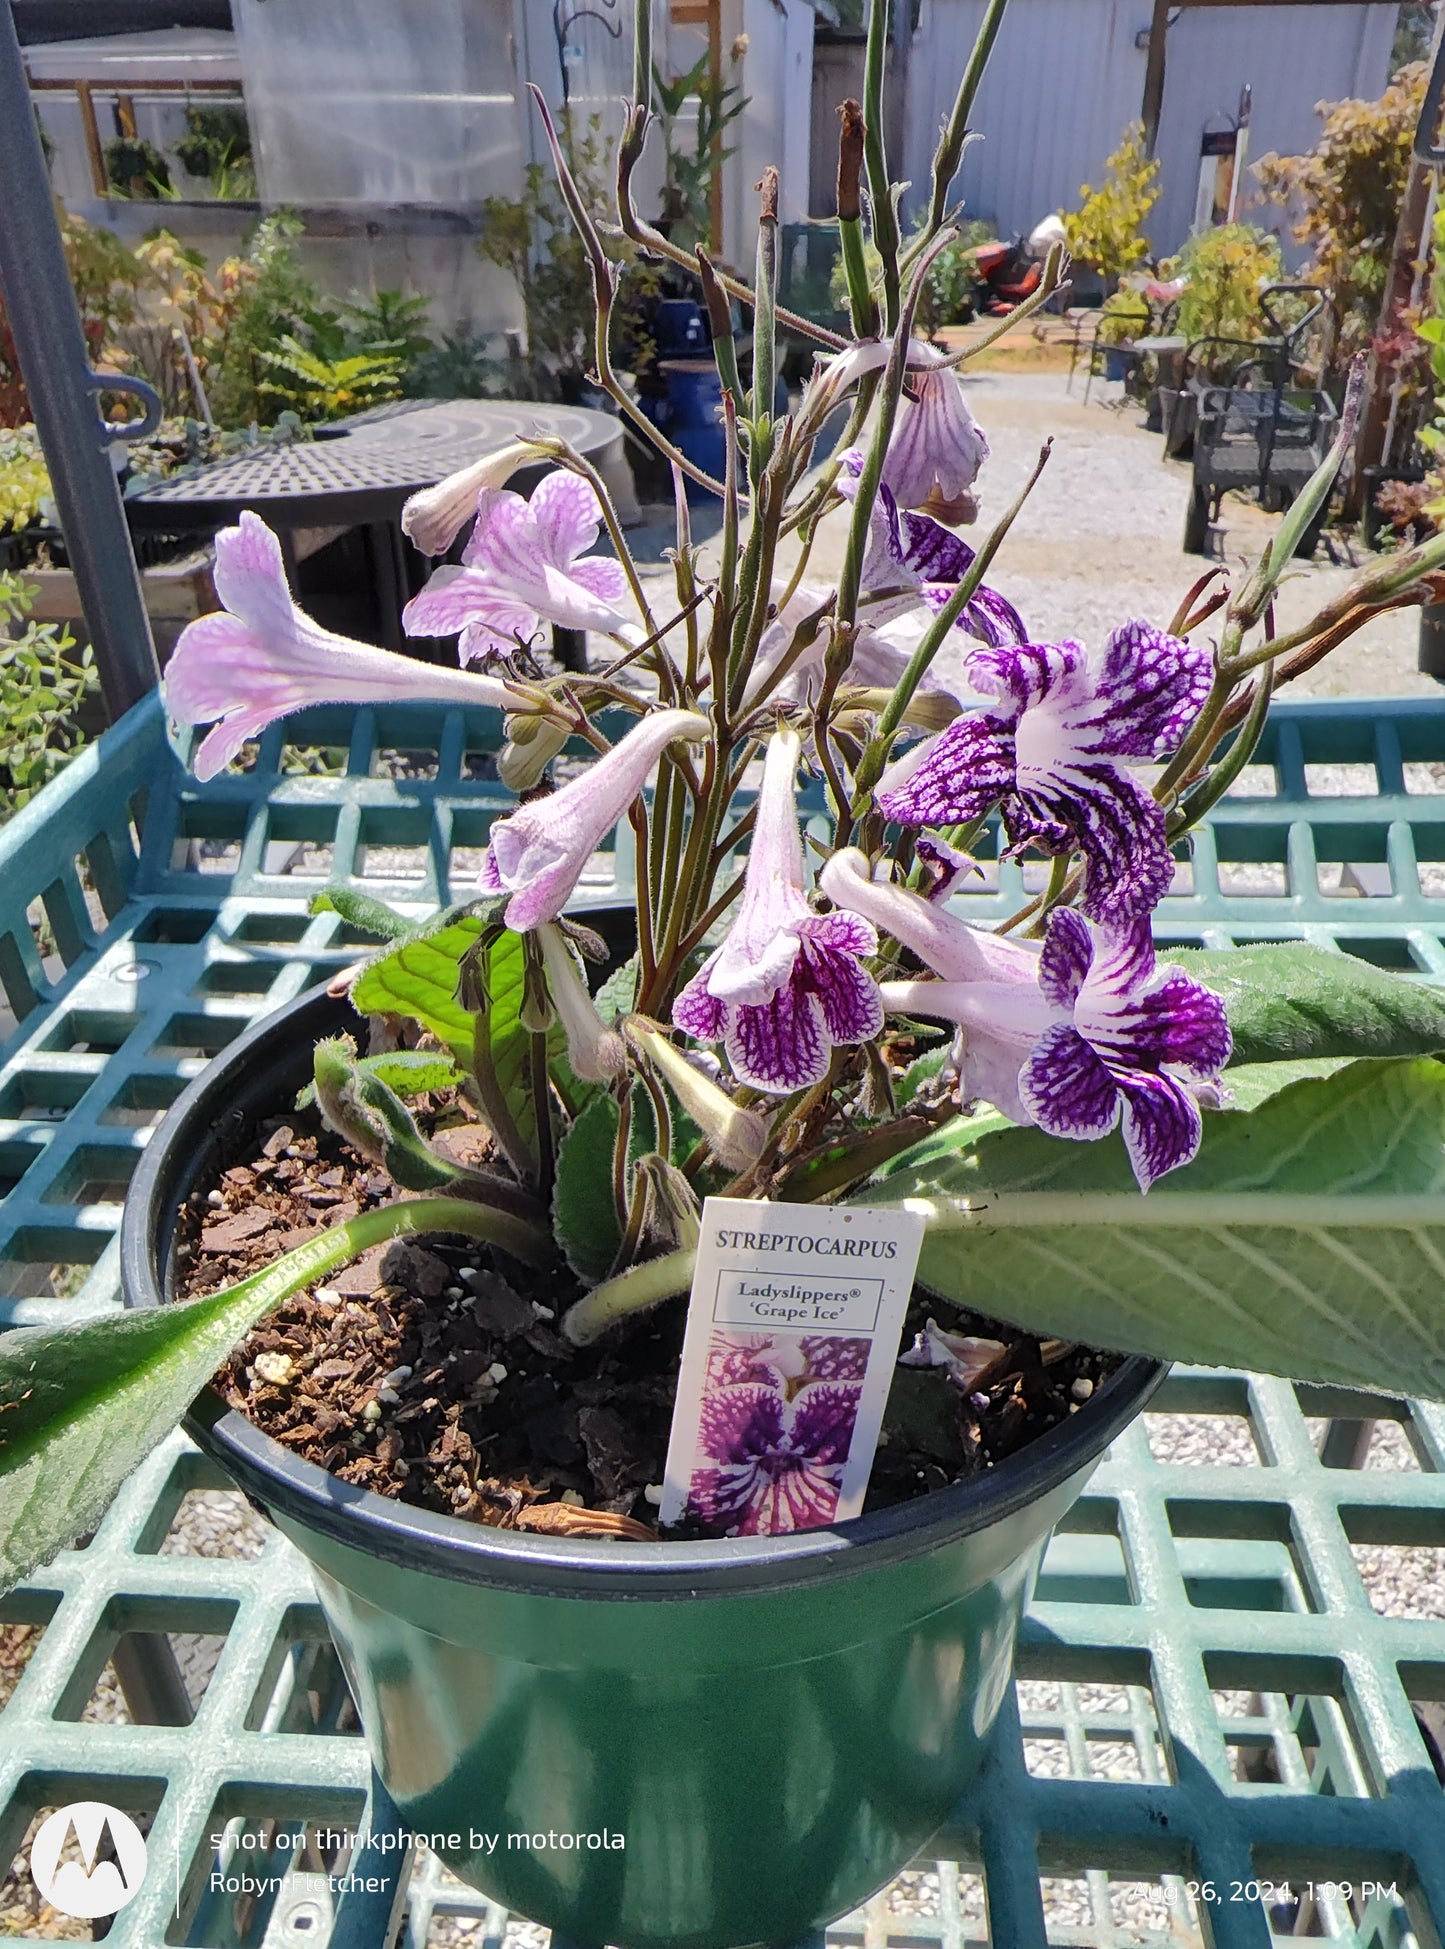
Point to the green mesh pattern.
(1206, 1698)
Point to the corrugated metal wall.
(1066, 76)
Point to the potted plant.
(455, 1392)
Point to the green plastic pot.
(772, 1727)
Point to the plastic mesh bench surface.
(1205, 1693)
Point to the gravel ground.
(1099, 540)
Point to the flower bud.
(433, 519)
(594, 1051)
(532, 744)
(672, 1208)
(736, 1136)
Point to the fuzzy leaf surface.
(584, 1212)
(1306, 1239)
(1287, 999)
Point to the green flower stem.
(870, 767)
(720, 327)
(765, 341)
(637, 1290)
(880, 190)
(863, 311)
(949, 153)
(409, 1218)
(602, 292)
(1202, 736)
(851, 152)
(1213, 788)
(642, 60)
(890, 393)
(1250, 606)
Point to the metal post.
(51, 346)
(1153, 107)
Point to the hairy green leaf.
(418, 980)
(410, 1072)
(1288, 999)
(1307, 1238)
(420, 977)
(83, 1405)
(584, 1211)
(363, 910)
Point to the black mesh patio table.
(359, 473)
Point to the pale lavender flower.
(1102, 1034)
(968, 956)
(950, 946)
(787, 983)
(1048, 755)
(876, 662)
(259, 657)
(538, 853)
(937, 447)
(525, 563)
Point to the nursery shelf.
(1214, 1736)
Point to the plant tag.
(792, 1337)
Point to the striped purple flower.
(787, 983)
(1100, 1035)
(1048, 754)
(777, 1423)
(911, 558)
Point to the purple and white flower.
(937, 447)
(776, 1426)
(525, 563)
(787, 983)
(1101, 1035)
(259, 657)
(1049, 751)
(911, 559)
(538, 853)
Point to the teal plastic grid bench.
(1214, 1736)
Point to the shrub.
(1224, 269)
(1345, 196)
(43, 683)
(1107, 231)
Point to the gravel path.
(1099, 539)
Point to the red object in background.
(1007, 274)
